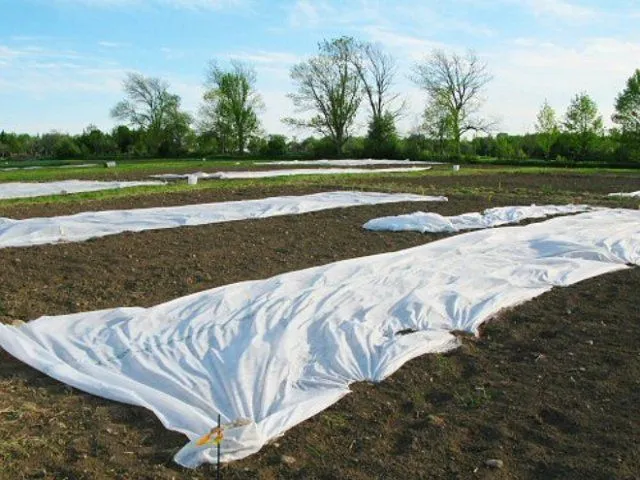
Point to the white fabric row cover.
(348, 162)
(427, 222)
(86, 225)
(269, 354)
(37, 167)
(283, 173)
(629, 194)
(23, 190)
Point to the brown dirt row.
(550, 389)
(535, 188)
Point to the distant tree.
(546, 128)
(627, 107)
(232, 104)
(437, 125)
(583, 121)
(65, 148)
(377, 70)
(455, 84)
(276, 146)
(94, 142)
(124, 138)
(627, 116)
(382, 137)
(151, 108)
(328, 86)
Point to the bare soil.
(551, 388)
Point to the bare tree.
(328, 85)
(377, 71)
(231, 104)
(455, 83)
(151, 108)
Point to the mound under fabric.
(348, 162)
(24, 190)
(284, 173)
(622, 194)
(269, 354)
(426, 222)
(82, 226)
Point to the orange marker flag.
(214, 437)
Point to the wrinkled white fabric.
(37, 167)
(269, 354)
(348, 162)
(283, 173)
(82, 226)
(628, 194)
(426, 222)
(23, 190)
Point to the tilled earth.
(551, 388)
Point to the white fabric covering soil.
(269, 354)
(86, 225)
(348, 162)
(23, 190)
(629, 194)
(427, 222)
(283, 173)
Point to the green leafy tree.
(328, 86)
(583, 121)
(627, 116)
(124, 139)
(382, 137)
(231, 105)
(276, 146)
(546, 128)
(627, 108)
(455, 84)
(437, 124)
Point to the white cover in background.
(23, 190)
(82, 226)
(37, 167)
(348, 162)
(269, 354)
(630, 194)
(426, 222)
(284, 173)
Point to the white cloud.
(529, 71)
(178, 4)
(266, 57)
(307, 13)
(562, 9)
(108, 44)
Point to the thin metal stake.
(218, 473)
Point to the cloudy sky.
(62, 62)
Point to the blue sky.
(62, 62)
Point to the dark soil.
(577, 188)
(551, 388)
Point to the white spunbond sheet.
(427, 222)
(268, 354)
(348, 162)
(283, 173)
(628, 194)
(23, 190)
(37, 167)
(86, 225)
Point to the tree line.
(346, 80)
